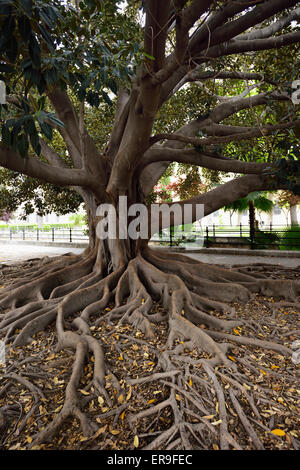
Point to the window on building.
(277, 210)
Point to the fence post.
(207, 241)
(10, 234)
(37, 234)
(241, 230)
(271, 226)
(52, 234)
(214, 230)
(70, 235)
(252, 237)
(23, 233)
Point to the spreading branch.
(30, 166)
(205, 161)
(236, 136)
(214, 200)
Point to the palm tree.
(254, 201)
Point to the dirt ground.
(262, 392)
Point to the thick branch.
(53, 158)
(215, 38)
(206, 161)
(73, 134)
(184, 22)
(228, 31)
(67, 114)
(32, 167)
(224, 110)
(201, 33)
(261, 33)
(241, 46)
(198, 74)
(156, 29)
(153, 172)
(236, 136)
(123, 105)
(212, 200)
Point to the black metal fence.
(264, 237)
(63, 235)
(267, 237)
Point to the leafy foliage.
(260, 202)
(291, 239)
(92, 51)
(287, 173)
(21, 191)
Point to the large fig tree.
(61, 60)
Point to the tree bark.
(119, 279)
(293, 215)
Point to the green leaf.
(51, 76)
(29, 125)
(45, 17)
(24, 28)
(46, 129)
(107, 98)
(35, 142)
(6, 68)
(6, 137)
(22, 145)
(81, 93)
(34, 51)
(25, 106)
(12, 49)
(113, 86)
(149, 56)
(52, 118)
(47, 37)
(93, 99)
(27, 5)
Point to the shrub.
(290, 240)
(265, 240)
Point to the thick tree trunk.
(252, 223)
(293, 215)
(113, 252)
(122, 281)
(119, 280)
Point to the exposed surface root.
(178, 325)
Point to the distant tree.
(5, 216)
(254, 201)
(289, 200)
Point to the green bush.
(265, 240)
(290, 240)
(15, 228)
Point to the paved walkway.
(229, 260)
(20, 252)
(10, 254)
